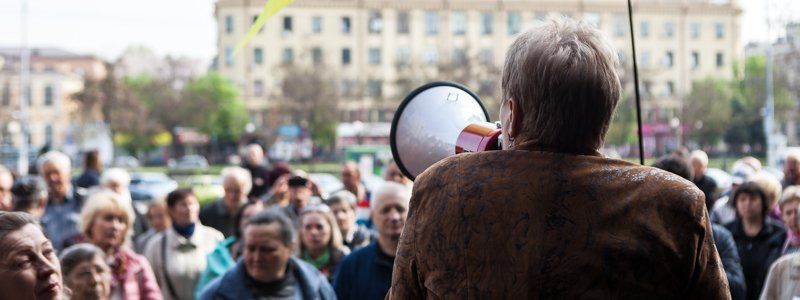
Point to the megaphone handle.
(478, 137)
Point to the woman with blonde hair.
(320, 239)
(106, 222)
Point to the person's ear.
(514, 117)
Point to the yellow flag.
(272, 7)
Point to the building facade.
(54, 76)
(378, 46)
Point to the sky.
(187, 27)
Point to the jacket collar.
(232, 285)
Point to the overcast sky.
(187, 27)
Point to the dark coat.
(757, 253)
(310, 284)
(364, 274)
(522, 224)
(726, 247)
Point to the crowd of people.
(274, 234)
(754, 222)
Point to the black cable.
(636, 85)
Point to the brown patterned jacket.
(521, 224)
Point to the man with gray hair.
(548, 216)
(60, 220)
(367, 272)
(699, 160)
(220, 215)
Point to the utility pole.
(24, 92)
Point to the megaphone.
(438, 120)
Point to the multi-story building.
(372, 43)
(54, 76)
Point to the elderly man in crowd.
(300, 192)
(60, 219)
(548, 216)
(219, 215)
(256, 164)
(791, 169)
(367, 272)
(706, 184)
(268, 270)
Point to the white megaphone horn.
(438, 120)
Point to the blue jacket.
(217, 263)
(310, 284)
(364, 274)
(726, 247)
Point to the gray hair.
(76, 254)
(563, 75)
(60, 160)
(271, 216)
(790, 194)
(700, 156)
(117, 175)
(391, 189)
(343, 196)
(29, 192)
(241, 175)
(13, 221)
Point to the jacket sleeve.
(326, 290)
(708, 276)
(150, 289)
(730, 261)
(773, 283)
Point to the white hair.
(700, 156)
(241, 175)
(117, 175)
(60, 160)
(391, 189)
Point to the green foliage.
(707, 111)
(623, 125)
(214, 99)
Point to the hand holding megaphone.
(438, 120)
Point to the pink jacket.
(138, 282)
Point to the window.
(459, 22)
(48, 95)
(375, 22)
(287, 24)
(258, 56)
(6, 98)
(694, 60)
(647, 87)
(288, 55)
(694, 30)
(347, 87)
(374, 56)
(623, 58)
(645, 58)
(316, 55)
(669, 29)
(48, 134)
(346, 25)
(719, 30)
(403, 56)
(669, 88)
(619, 25)
(720, 60)
(513, 23)
(346, 57)
(228, 24)
(402, 22)
(431, 56)
(539, 17)
(255, 18)
(486, 23)
(316, 24)
(258, 88)
(667, 60)
(486, 56)
(431, 23)
(645, 29)
(374, 88)
(228, 56)
(593, 19)
(459, 56)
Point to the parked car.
(128, 162)
(190, 162)
(147, 186)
